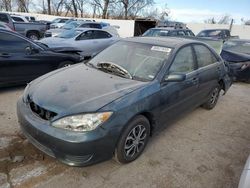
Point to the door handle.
(5, 55)
(195, 80)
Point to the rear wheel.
(33, 36)
(133, 140)
(65, 64)
(213, 98)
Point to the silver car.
(89, 40)
(245, 176)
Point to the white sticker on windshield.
(161, 49)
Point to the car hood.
(56, 42)
(79, 89)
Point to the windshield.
(156, 33)
(71, 25)
(56, 20)
(141, 61)
(210, 33)
(69, 34)
(237, 46)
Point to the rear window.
(4, 18)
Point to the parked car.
(81, 24)
(22, 60)
(33, 31)
(89, 40)
(17, 18)
(59, 22)
(57, 31)
(4, 26)
(237, 53)
(167, 31)
(113, 103)
(223, 34)
(245, 175)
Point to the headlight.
(82, 123)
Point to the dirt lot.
(203, 149)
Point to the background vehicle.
(17, 18)
(22, 60)
(58, 22)
(113, 103)
(237, 53)
(89, 41)
(245, 175)
(167, 31)
(33, 31)
(223, 34)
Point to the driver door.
(178, 97)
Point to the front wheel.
(213, 98)
(64, 64)
(133, 140)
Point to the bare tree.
(6, 5)
(23, 5)
(75, 8)
(49, 6)
(102, 6)
(133, 7)
(80, 6)
(57, 6)
(223, 20)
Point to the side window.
(12, 44)
(183, 62)
(102, 35)
(181, 33)
(63, 20)
(17, 19)
(204, 55)
(189, 33)
(85, 26)
(87, 35)
(4, 18)
(173, 33)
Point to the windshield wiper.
(114, 69)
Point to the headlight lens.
(82, 123)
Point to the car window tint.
(87, 35)
(183, 62)
(4, 18)
(204, 56)
(17, 19)
(102, 35)
(173, 33)
(12, 44)
(181, 33)
(98, 26)
(85, 26)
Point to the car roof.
(167, 28)
(171, 42)
(87, 28)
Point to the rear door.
(209, 69)
(178, 97)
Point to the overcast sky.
(199, 10)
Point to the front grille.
(41, 112)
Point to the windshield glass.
(71, 25)
(69, 34)
(56, 20)
(141, 61)
(156, 33)
(238, 46)
(210, 33)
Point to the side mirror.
(30, 50)
(175, 78)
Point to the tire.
(65, 64)
(33, 36)
(213, 98)
(133, 140)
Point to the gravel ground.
(202, 149)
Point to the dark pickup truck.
(33, 31)
(223, 34)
